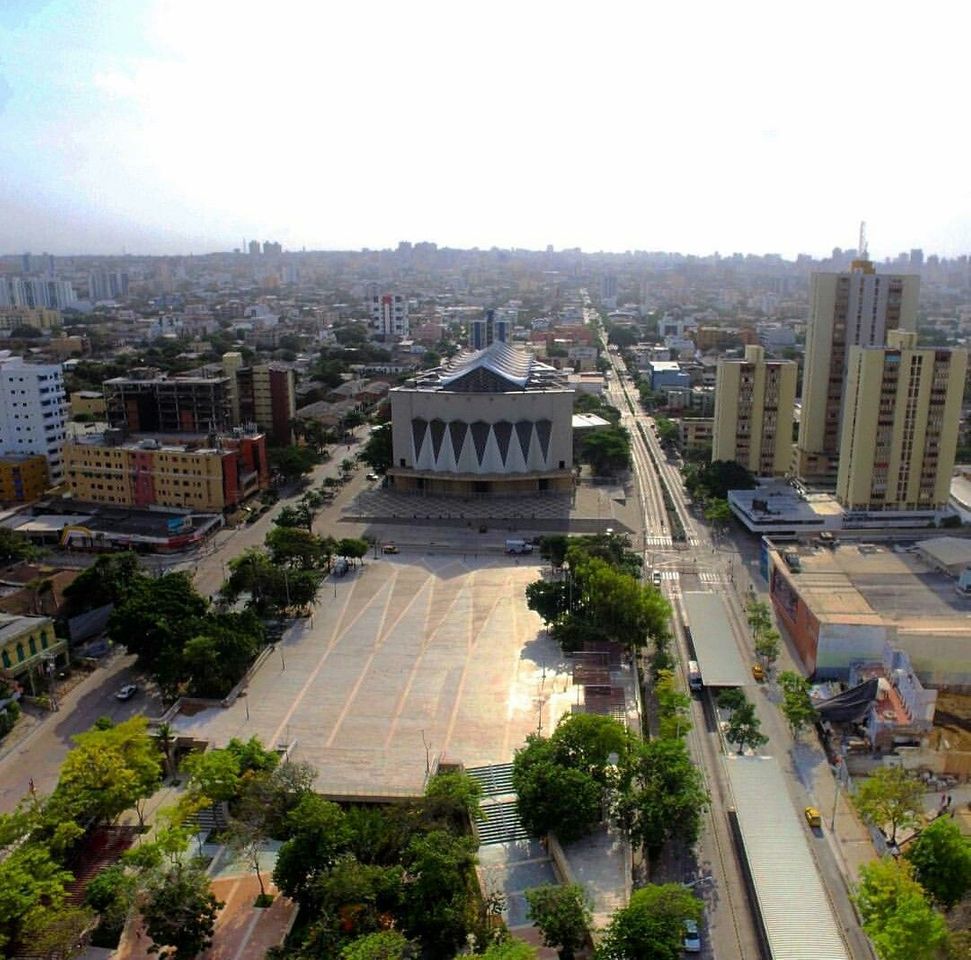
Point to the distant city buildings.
(493, 326)
(107, 285)
(754, 403)
(33, 411)
(36, 292)
(22, 478)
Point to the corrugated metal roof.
(796, 911)
(711, 632)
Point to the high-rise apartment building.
(36, 292)
(33, 411)
(107, 284)
(265, 395)
(846, 310)
(900, 425)
(754, 404)
(495, 325)
(389, 315)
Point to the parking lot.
(403, 662)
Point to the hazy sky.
(185, 125)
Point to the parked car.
(813, 818)
(127, 691)
(758, 671)
(389, 548)
(656, 578)
(372, 476)
(692, 938)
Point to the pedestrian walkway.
(500, 808)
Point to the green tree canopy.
(385, 945)
(377, 452)
(15, 546)
(563, 916)
(31, 883)
(179, 911)
(109, 579)
(714, 480)
(294, 547)
(797, 706)
(662, 794)
(744, 728)
(292, 462)
(606, 450)
(651, 926)
(892, 798)
(941, 858)
(897, 918)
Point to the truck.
(518, 546)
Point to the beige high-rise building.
(900, 425)
(754, 403)
(846, 310)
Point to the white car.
(692, 939)
(127, 691)
(372, 476)
(656, 578)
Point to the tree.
(563, 916)
(767, 645)
(890, 797)
(295, 548)
(714, 480)
(897, 918)
(317, 835)
(179, 911)
(385, 945)
(291, 463)
(108, 580)
(31, 883)
(548, 598)
(455, 797)
(731, 698)
(110, 771)
(941, 858)
(213, 775)
(651, 926)
(439, 900)
(759, 617)
(111, 895)
(353, 548)
(58, 934)
(797, 706)
(591, 743)
(16, 546)
(606, 450)
(377, 452)
(553, 797)
(667, 430)
(674, 706)
(299, 517)
(718, 512)
(661, 795)
(247, 838)
(510, 949)
(744, 728)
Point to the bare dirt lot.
(952, 721)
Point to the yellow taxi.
(813, 818)
(758, 671)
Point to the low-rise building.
(211, 474)
(90, 403)
(28, 648)
(696, 434)
(22, 478)
(667, 373)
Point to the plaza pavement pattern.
(403, 663)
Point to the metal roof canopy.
(714, 642)
(796, 911)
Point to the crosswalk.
(663, 541)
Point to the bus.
(694, 675)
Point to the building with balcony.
(212, 474)
(33, 411)
(754, 406)
(29, 650)
(901, 414)
(854, 309)
(22, 478)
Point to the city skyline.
(176, 128)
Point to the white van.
(518, 546)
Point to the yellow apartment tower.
(900, 425)
(854, 309)
(754, 403)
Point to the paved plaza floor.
(403, 663)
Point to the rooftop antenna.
(863, 252)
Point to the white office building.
(36, 292)
(33, 411)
